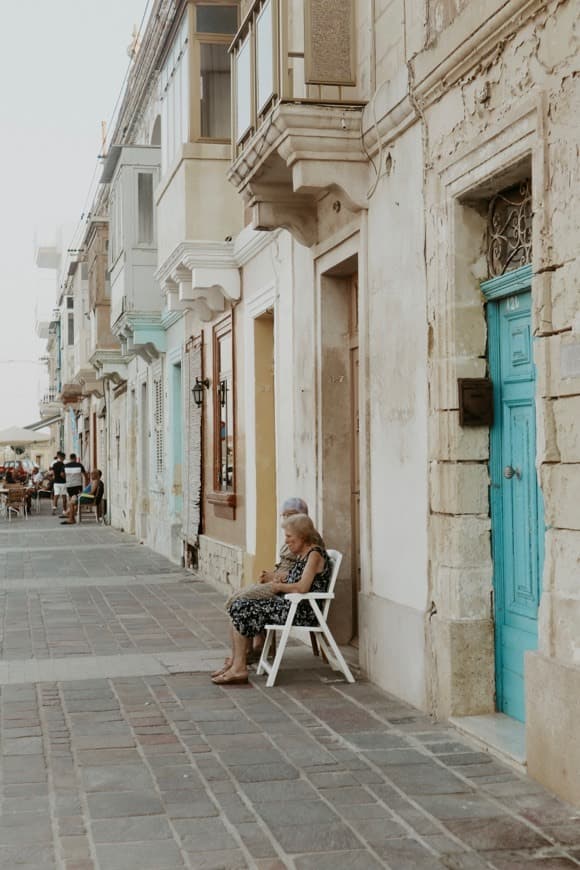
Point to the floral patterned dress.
(249, 616)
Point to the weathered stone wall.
(220, 564)
(512, 113)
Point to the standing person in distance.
(76, 478)
(59, 482)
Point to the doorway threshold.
(496, 733)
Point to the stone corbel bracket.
(306, 151)
(141, 334)
(111, 365)
(201, 277)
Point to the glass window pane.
(225, 349)
(217, 19)
(244, 90)
(215, 91)
(145, 207)
(265, 55)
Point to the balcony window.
(116, 213)
(215, 91)
(214, 26)
(292, 52)
(175, 94)
(145, 208)
(70, 330)
(223, 407)
(195, 80)
(244, 90)
(265, 56)
(216, 19)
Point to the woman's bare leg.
(239, 666)
(228, 659)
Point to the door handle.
(509, 472)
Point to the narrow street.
(118, 752)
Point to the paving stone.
(337, 861)
(495, 834)
(39, 857)
(231, 859)
(425, 779)
(154, 855)
(26, 805)
(112, 778)
(264, 755)
(109, 805)
(408, 854)
(22, 746)
(316, 838)
(264, 772)
(204, 835)
(458, 806)
(334, 779)
(188, 806)
(256, 841)
(529, 861)
(277, 792)
(388, 757)
(347, 796)
(296, 813)
(131, 830)
(75, 848)
(376, 740)
(18, 827)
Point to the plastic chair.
(91, 508)
(327, 642)
(16, 502)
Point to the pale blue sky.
(62, 64)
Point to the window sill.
(224, 504)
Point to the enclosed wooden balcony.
(296, 111)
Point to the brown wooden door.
(355, 457)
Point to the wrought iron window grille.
(510, 229)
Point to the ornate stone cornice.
(200, 276)
(141, 333)
(397, 103)
(473, 41)
(109, 363)
(320, 145)
(248, 244)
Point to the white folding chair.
(325, 638)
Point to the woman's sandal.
(225, 667)
(224, 680)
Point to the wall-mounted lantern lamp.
(197, 390)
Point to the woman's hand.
(314, 565)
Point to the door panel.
(517, 518)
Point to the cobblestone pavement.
(126, 756)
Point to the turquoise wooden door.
(516, 502)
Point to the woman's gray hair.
(303, 528)
(295, 504)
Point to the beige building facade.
(359, 287)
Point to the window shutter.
(158, 423)
(193, 460)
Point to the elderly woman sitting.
(263, 588)
(310, 573)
